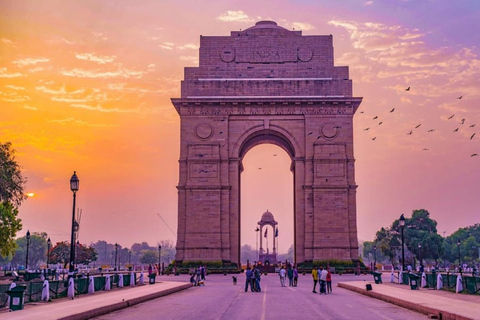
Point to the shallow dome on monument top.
(265, 24)
(267, 217)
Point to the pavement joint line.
(417, 306)
(264, 303)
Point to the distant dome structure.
(267, 217)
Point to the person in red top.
(329, 281)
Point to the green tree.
(60, 253)
(9, 226)
(149, 256)
(37, 250)
(11, 196)
(11, 180)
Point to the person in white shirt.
(282, 276)
(323, 280)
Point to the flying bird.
(453, 115)
(310, 133)
(366, 129)
(259, 168)
(473, 135)
(380, 123)
(319, 137)
(418, 126)
(362, 112)
(275, 155)
(392, 110)
(455, 130)
(473, 125)
(338, 127)
(425, 149)
(374, 138)
(462, 121)
(460, 97)
(474, 155)
(408, 89)
(376, 117)
(410, 132)
(220, 132)
(431, 130)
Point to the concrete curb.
(124, 304)
(441, 314)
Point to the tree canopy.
(11, 196)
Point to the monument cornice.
(266, 106)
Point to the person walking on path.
(290, 276)
(323, 280)
(282, 276)
(295, 276)
(315, 278)
(329, 281)
(248, 279)
(254, 282)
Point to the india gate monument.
(266, 84)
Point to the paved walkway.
(442, 304)
(88, 306)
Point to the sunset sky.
(86, 86)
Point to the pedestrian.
(202, 272)
(290, 276)
(258, 274)
(198, 274)
(295, 276)
(315, 278)
(254, 282)
(282, 276)
(248, 279)
(323, 280)
(329, 281)
(150, 269)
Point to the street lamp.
(420, 254)
(28, 245)
(159, 255)
(458, 247)
(402, 225)
(256, 237)
(74, 183)
(129, 258)
(116, 248)
(49, 243)
(374, 258)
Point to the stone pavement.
(102, 302)
(439, 304)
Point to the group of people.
(324, 278)
(291, 273)
(252, 279)
(198, 276)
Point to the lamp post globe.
(420, 254)
(28, 245)
(374, 257)
(74, 185)
(402, 225)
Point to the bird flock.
(413, 130)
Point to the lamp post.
(459, 264)
(402, 225)
(374, 258)
(74, 184)
(256, 248)
(159, 255)
(420, 255)
(49, 243)
(129, 258)
(28, 245)
(116, 248)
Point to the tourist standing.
(254, 282)
(315, 278)
(295, 276)
(258, 274)
(290, 276)
(329, 281)
(282, 276)
(248, 279)
(323, 280)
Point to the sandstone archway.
(266, 84)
